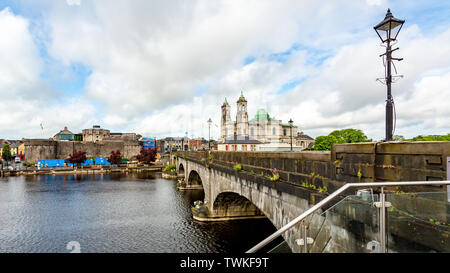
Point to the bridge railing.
(386, 214)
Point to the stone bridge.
(237, 195)
(305, 179)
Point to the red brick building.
(195, 144)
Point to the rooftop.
(65, 131)
(261, 115)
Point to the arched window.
(284, 132)
(252, 131)
(274, 131)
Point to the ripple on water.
(112, 213)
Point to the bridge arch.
(222, 185)
(181, 169)
(194, 178)
(235, 206)
(230, 204)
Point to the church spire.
(225, 102)
(242, 98)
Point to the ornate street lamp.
(209, 133)
(388, 30)
(290, 124)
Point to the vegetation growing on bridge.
(237, 166)
(275, 175)
(170, 168)
(312, 186)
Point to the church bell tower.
(226, 118)
(242, 117)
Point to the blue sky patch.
(249, 60)
(68, 79)
(290, 85)
(202, 89)
(282, 57)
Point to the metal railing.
(382, 206)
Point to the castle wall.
(48, 149)
(36, 149)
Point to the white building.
(239, 144)
(262, 127)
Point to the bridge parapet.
(303, 173)
(345, 163)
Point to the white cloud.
(73, 2)
(26, 99)
(164, 68)
(376, 2)
(19, 58)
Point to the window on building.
(274, 131)
(284, 132)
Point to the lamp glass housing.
(389, 28)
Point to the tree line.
(145, 156)
(324, 143)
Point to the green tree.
(324, 143)
(431, 138)
(398, 138)
(6, 153)
(28, 164)
(350, 136)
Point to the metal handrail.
(331, 197)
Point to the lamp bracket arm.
(390, 51)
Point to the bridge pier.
(226, 207)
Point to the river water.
(135, 212)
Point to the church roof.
(225, 102)
(65, 132)
(241, 98)
(261, 115)
(303, 136)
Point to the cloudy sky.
(162, 68)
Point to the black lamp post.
(209, 133)
(388, 30)
(290, 123)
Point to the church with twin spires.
(262, 127)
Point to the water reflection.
(118, 212)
